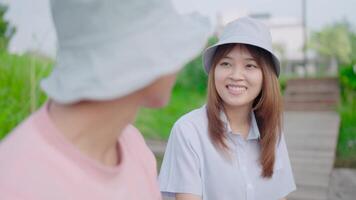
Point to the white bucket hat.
(110, 48)
(244, 30)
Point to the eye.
(251, 66)
(225, 64)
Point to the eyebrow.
(252, 59)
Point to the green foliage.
(6, 31)
(346, 149)
(334, 41)
(193, 76)
(157, 123)
(353, 47)
(15, 88)
(348, 76)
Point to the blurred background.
(315, 40)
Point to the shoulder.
(20, 141)
(23, 156)
(195, 118)
(131, 134)
(191, 126)
(132, 138)
(134, 143)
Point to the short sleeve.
(180, 170)
(287, 183)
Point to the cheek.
(219, 77)
(258, 80)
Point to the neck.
(94, 127)
(239, 119)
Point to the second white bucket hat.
(244, 30)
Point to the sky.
(35, 30)
(319, 12)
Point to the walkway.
(311, 130)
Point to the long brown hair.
(267, 107)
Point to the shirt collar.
(253, 133)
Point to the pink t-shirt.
(37, 163)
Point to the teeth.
(236, 89)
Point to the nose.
(237, 72)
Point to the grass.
(20, 95)
(19, 91)
(346, 148)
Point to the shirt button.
(242, 142)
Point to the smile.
(236, 89)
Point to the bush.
(6, 30)
(193, 76)
(346, 149)
(18, 98)
(347, 77)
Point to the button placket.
(244, 168)
(233, 141)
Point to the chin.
(236, 104)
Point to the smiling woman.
(232, 147)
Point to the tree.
(353, 47)
(334, 42)
(6, 30)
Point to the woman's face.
(238, 78)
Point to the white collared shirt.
(192, 165)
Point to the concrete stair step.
(313, 81)
(308, 145)
(324, 131)
(296, 123)
(322, 144)
(311, 89)
(311, 102)
(309, 106)
(300, 153)
(309, 193)
(312, 165)
(324, 162)
(311, 177)
(312, 94)
(328, 97)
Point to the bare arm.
(187, 197)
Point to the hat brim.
(210, 51)
(105, 71)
